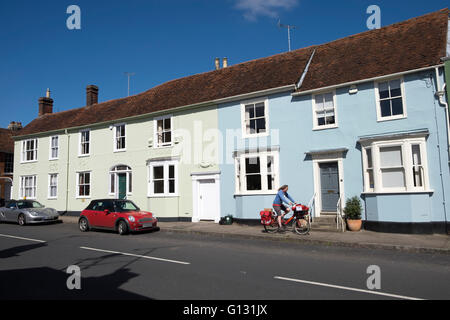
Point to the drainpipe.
(436, 94)
(67, 170)
(441, 98)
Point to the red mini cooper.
(122, 216)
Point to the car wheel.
(83, 224)
(22, 220)
(122, 228)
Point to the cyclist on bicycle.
(278, 205)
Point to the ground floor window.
(83, 184)
(256, 173)
(395, 166)
(28, 187)
(163, 178)
(52, 186)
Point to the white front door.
(207, 200)
(206, 197)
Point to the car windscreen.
(123, 206)
(29, 205)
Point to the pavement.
(363, 239)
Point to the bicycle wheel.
(272, 227)
(302, 226)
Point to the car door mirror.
(106, 211)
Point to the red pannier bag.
(266, 217)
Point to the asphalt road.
(159, 265)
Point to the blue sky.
(158, 40)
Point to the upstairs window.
(9, 163)
(85, 141)
(119, 138)
(390, 100)
(54, 148)
(163, 132)
(255, 118)
(29, 150)
(324, 111)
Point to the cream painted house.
(148, 159)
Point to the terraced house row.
(365, 115)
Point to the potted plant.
(352, 213)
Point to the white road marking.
(135, 255)
(348, 288)
(20, 238)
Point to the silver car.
(27, 212)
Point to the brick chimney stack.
(45, 104)
(91, 95)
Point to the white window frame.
(155, 132)
(246, 135)
(80, 142)
(115, 138)
(165, 165)
(316, 126)
(77, 191)
(23, 187)
(378, 105)
(240, 177)
(50, 186)
(23, 153)
(51, 148)
(407, 158)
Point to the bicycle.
(300, 220)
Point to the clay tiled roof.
(412, 44)
(6, 141)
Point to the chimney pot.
(217, 63)
(15, 126)
(91, 95)
(225, 62)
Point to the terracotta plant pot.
(354, 225)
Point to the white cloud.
(269, 8)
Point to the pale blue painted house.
(365, 118)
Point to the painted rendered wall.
(356, 117)
(188, 127)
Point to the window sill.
(324, 127)
(163, 147)
(83, 198)
(84, 155)
(256, 135)
(54, 159)
(382, 119)
(397, 192)
(163, 196)
(31, 161)
(262, 193)
(120, 150)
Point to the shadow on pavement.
(50, 284)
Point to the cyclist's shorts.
(278, 209)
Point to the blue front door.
(329, 183)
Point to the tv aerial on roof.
(288, 27)
(129, 75)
